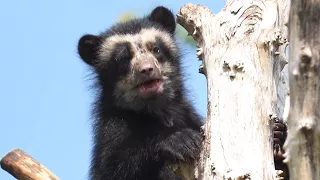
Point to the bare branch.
(24, 167)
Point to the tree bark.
(303, 142)
(242, 48)
(24, 167)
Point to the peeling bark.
(303, 142)
(242, 49)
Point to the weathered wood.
(23, 167)
(303, 142)
(242, 48)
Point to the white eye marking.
(145, 35)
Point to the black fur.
(131, 144)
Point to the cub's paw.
(280, 135)
(183, 145)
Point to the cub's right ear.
(164, 17)
(87, 48)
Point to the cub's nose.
(146, 68)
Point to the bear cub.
(142, 117)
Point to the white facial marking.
(136, 40)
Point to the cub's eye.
(156, 49)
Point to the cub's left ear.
(164, 17)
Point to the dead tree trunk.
(242, 48)
(303, 143)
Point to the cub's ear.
(87, 48)
(164, 17)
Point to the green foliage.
(180, 31)
(126, 16)
(183, 35)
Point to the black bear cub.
(143, 119)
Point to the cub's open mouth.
(151, 86)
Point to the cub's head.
(137, 61)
